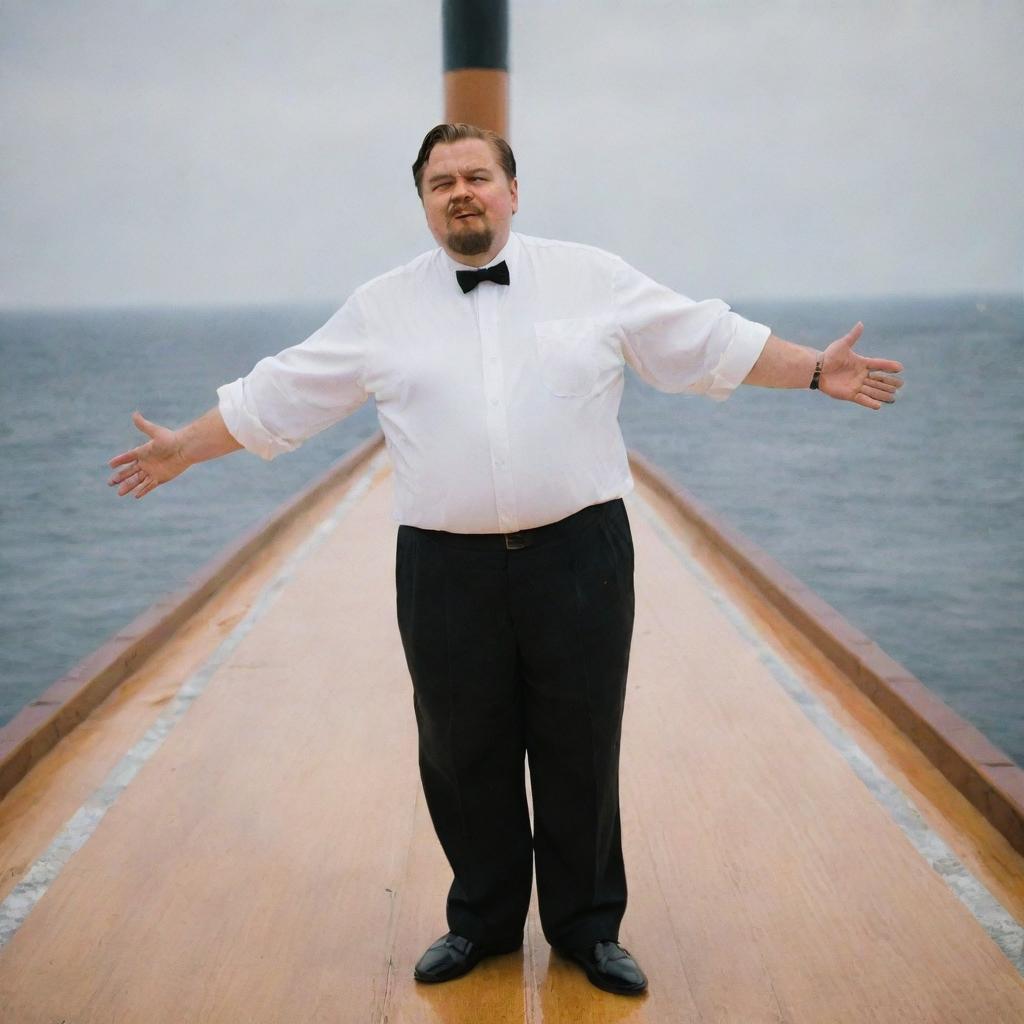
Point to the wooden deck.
(237, 834)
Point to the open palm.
(853, 378)
(149, 465)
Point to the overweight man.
(496, 363)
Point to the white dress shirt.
(500, 406)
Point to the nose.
(462, 190)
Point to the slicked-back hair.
(452, 133)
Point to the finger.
(850, 339)
(877, 393)
(131, 482)
(893, 382)
(868, 403)
(882, 385)
(120, 460)
(118, 478)
(885, 364)
(143, 424)
(138, 486)
(138, 474)
(146, 488)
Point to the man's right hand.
(151, 464)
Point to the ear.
(514, 188)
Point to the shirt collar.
(507, 253)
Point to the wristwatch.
(817, 372)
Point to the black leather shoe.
(610, 967)
(452, 956)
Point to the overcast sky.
(233, 152)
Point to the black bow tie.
(469, 279)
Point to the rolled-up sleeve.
(677, 344)
(289, 397)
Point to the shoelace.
(607, 950)
(458, 942)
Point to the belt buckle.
(515, 541)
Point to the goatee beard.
(470, 243)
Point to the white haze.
(256, 152)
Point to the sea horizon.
(929, 487)
(194, 305)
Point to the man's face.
(468, 200)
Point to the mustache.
(456, 210)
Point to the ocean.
(908, 520)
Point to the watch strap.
(817, 373)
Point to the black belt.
(524, 538)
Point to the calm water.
(908, 520)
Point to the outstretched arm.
(169, 453)
(844, 374)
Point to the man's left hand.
(853, 378)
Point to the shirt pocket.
(571, 354)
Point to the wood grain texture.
(976, 766)
(39, 726)
(975, 839)
(66, 775)
(274, 861)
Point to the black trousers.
(514, 652)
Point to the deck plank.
(274, 859)
(244, 873)
(66, 776)
(494, 992)
(766, 820)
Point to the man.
(496, 362)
